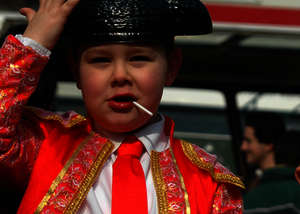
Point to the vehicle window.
(286, 105)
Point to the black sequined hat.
(137, 20)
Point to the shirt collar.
(152, 136)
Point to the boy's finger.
(52, 3)
(70, 4)
(28, 12)
(43, 3)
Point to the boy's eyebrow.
(133, 48)
(96, 50)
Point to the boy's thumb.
(27, 12)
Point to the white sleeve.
(34, 45)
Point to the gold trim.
(198, 161)
(186, 196)
(60, 176)
(78, 119)
(90, 178)
(74, 121)
(159, 184)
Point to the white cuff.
(34, 45)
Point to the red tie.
(129, 194)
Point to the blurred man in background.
(261, 134)
(277, 190)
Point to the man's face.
(114, 75)
(254, 150)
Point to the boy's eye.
(100, 60)
(140, 58)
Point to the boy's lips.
(121, 102)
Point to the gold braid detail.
(209, 167)
(74, 121)
(90, 178)
(60, 176)
(186, 196)
(159, 184)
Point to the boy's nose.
(120, 74)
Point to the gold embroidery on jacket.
(159, 184)
(60, 176)
(190, 152)
(90, 178)
(52, 116)
(186, 196)
(74, 121)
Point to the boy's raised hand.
(46, 24)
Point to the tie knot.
(131, 146)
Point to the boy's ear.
(75, 72)
(73, 63)
(174, 64)
(76, 75)
(78, 84)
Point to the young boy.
(119, 159)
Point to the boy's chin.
(138, 126)
(130, 128)
(122, 126)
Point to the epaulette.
(209, 163)
(66, 119)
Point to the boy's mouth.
(122, 103)
(123, 98)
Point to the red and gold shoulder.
(64, 119)
(208, 162)
(207, 180)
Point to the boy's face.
(114, 75)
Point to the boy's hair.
(288, 149)
(268, 127)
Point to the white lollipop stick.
(142, 108)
